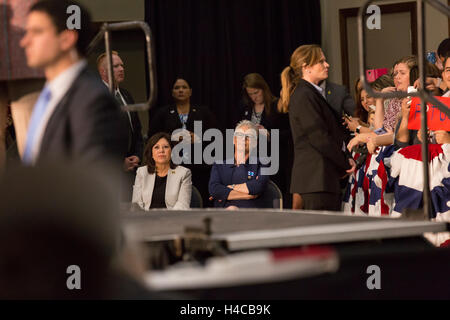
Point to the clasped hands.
(130, 163)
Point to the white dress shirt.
(321, 91)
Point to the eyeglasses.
(245, 135)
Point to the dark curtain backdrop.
(215, 43)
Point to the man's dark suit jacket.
(319, 161)
(136, 145)
(339, 99)
(86, 125)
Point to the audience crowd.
(335, 152)
(80, 152)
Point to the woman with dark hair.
(365, 104)
(403, 136)
(387, 117)
(160, 183)
(443, 137)
(359, 123)
(181, 114)
(319, 162)
(358, 89)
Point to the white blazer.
(178, 188)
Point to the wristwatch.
(232, 186)
(358, 129)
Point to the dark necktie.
(130, 125)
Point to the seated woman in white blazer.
(160, 183)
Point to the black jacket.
(166, 119)
(136, 141)
(319, 161)
(271, 121)
(339, 99)
(86, 125)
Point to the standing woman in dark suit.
(319, 160)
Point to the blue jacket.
(223, 175)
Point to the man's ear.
(103, 72)
(68, 39)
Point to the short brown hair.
(410, 61)
(148, 158)
(103, 56)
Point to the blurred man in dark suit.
(64, 241)
(74, 118)
(131, 119)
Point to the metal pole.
(109, 60)
(423, 109)
(105, 32)
(439, 6)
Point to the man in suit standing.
(338, 98)
(74, 118)
(131, 119)
(340, 101)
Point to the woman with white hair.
(238, 182)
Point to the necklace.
(256, 116)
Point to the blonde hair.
(102, 57)
(303, 56)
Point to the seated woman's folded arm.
(216, 188)
(258, 185)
